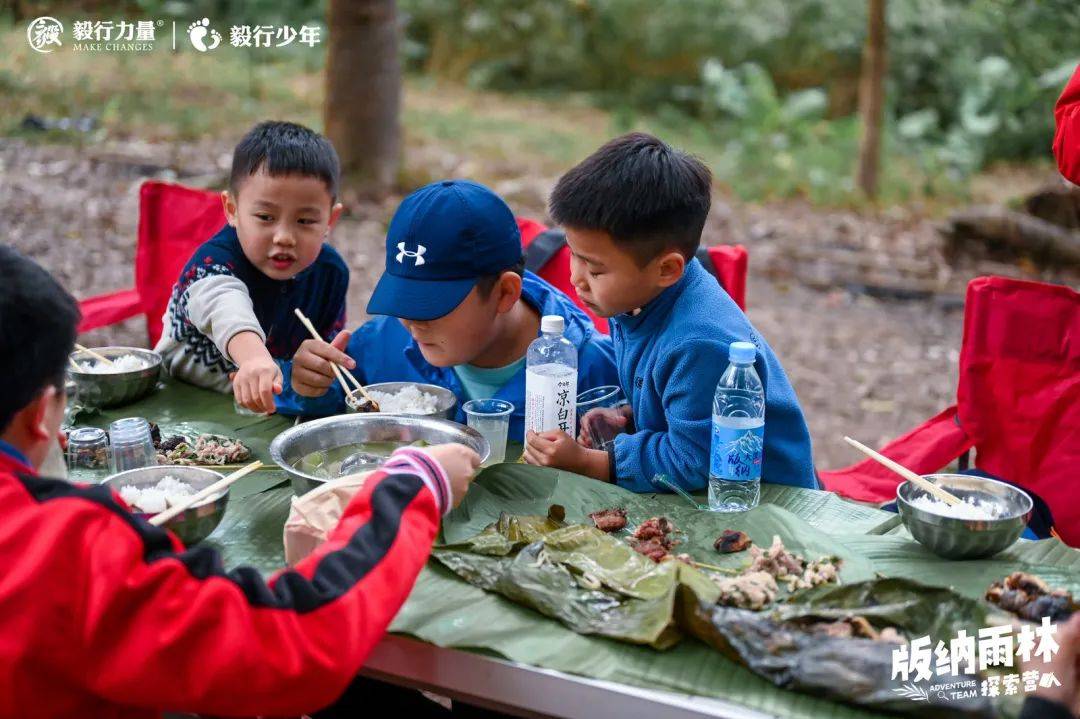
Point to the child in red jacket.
(104, 615)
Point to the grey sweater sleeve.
(219, 307)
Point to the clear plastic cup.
(491, 418)
(88, 448)
(132, 445)
(601, 431)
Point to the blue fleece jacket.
(670, 356)
(385, 352)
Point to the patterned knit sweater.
(220, 293)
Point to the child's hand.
(312, 374)
(557, 449)
(460, 464)
(256, 382)
(606, 418)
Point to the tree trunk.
(872, 99)
(363, 93)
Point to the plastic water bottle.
(551, 380)
(738, 434)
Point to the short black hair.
(38, 325)
(486, 283)
(285, 148)
(644, 193)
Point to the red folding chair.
(173, 221)
(1017, 402)
(547, 255)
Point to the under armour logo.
(418, 256)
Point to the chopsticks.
(95, 355)
(159, 519)
(904, 472)
(338, 370)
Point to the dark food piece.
(155, 434)
(652, 538)
(1029, 597)
(732, 541)
(170, 443)
(609, 520)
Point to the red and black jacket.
(104, 615)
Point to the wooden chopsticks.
(339, 372)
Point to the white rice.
(123, 363)
(168, 492)
(408, 400)
(968, 509)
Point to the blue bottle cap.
(742, 352)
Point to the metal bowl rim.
(277, 454)
(154, 357)
(198, 505)
(956, 522)
(441, 392)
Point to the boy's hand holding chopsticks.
(312, 374)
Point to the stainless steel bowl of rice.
(990, 519)
(134, 376)
(157, 488)
(412, 399)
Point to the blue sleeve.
(788, 458)
(292, 404)
(596, 364)
(682, 450)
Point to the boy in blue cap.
(633, 212)
(459, 311)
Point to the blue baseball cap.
(443, 238)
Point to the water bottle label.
(736, 452)
(551, 403)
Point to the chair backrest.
(173, 221)
(547, 255)
(1019, 392)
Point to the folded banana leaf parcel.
(837, 641)
(591, 582)
(596, 584)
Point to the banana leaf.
(180, 408)
(590, 581)
(777, 645)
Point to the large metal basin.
(332, 432)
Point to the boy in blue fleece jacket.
(633, 213)
(460, 311)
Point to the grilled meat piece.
(732, 541)
(609, 520)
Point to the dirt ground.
(863, 309)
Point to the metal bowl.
(295, 443)
(954, 538)
(446, 399)
(195, 523)
(115, 389)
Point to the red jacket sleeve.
(166, 629)
(1067, 135)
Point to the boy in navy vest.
(230, 321)
(633, 213)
